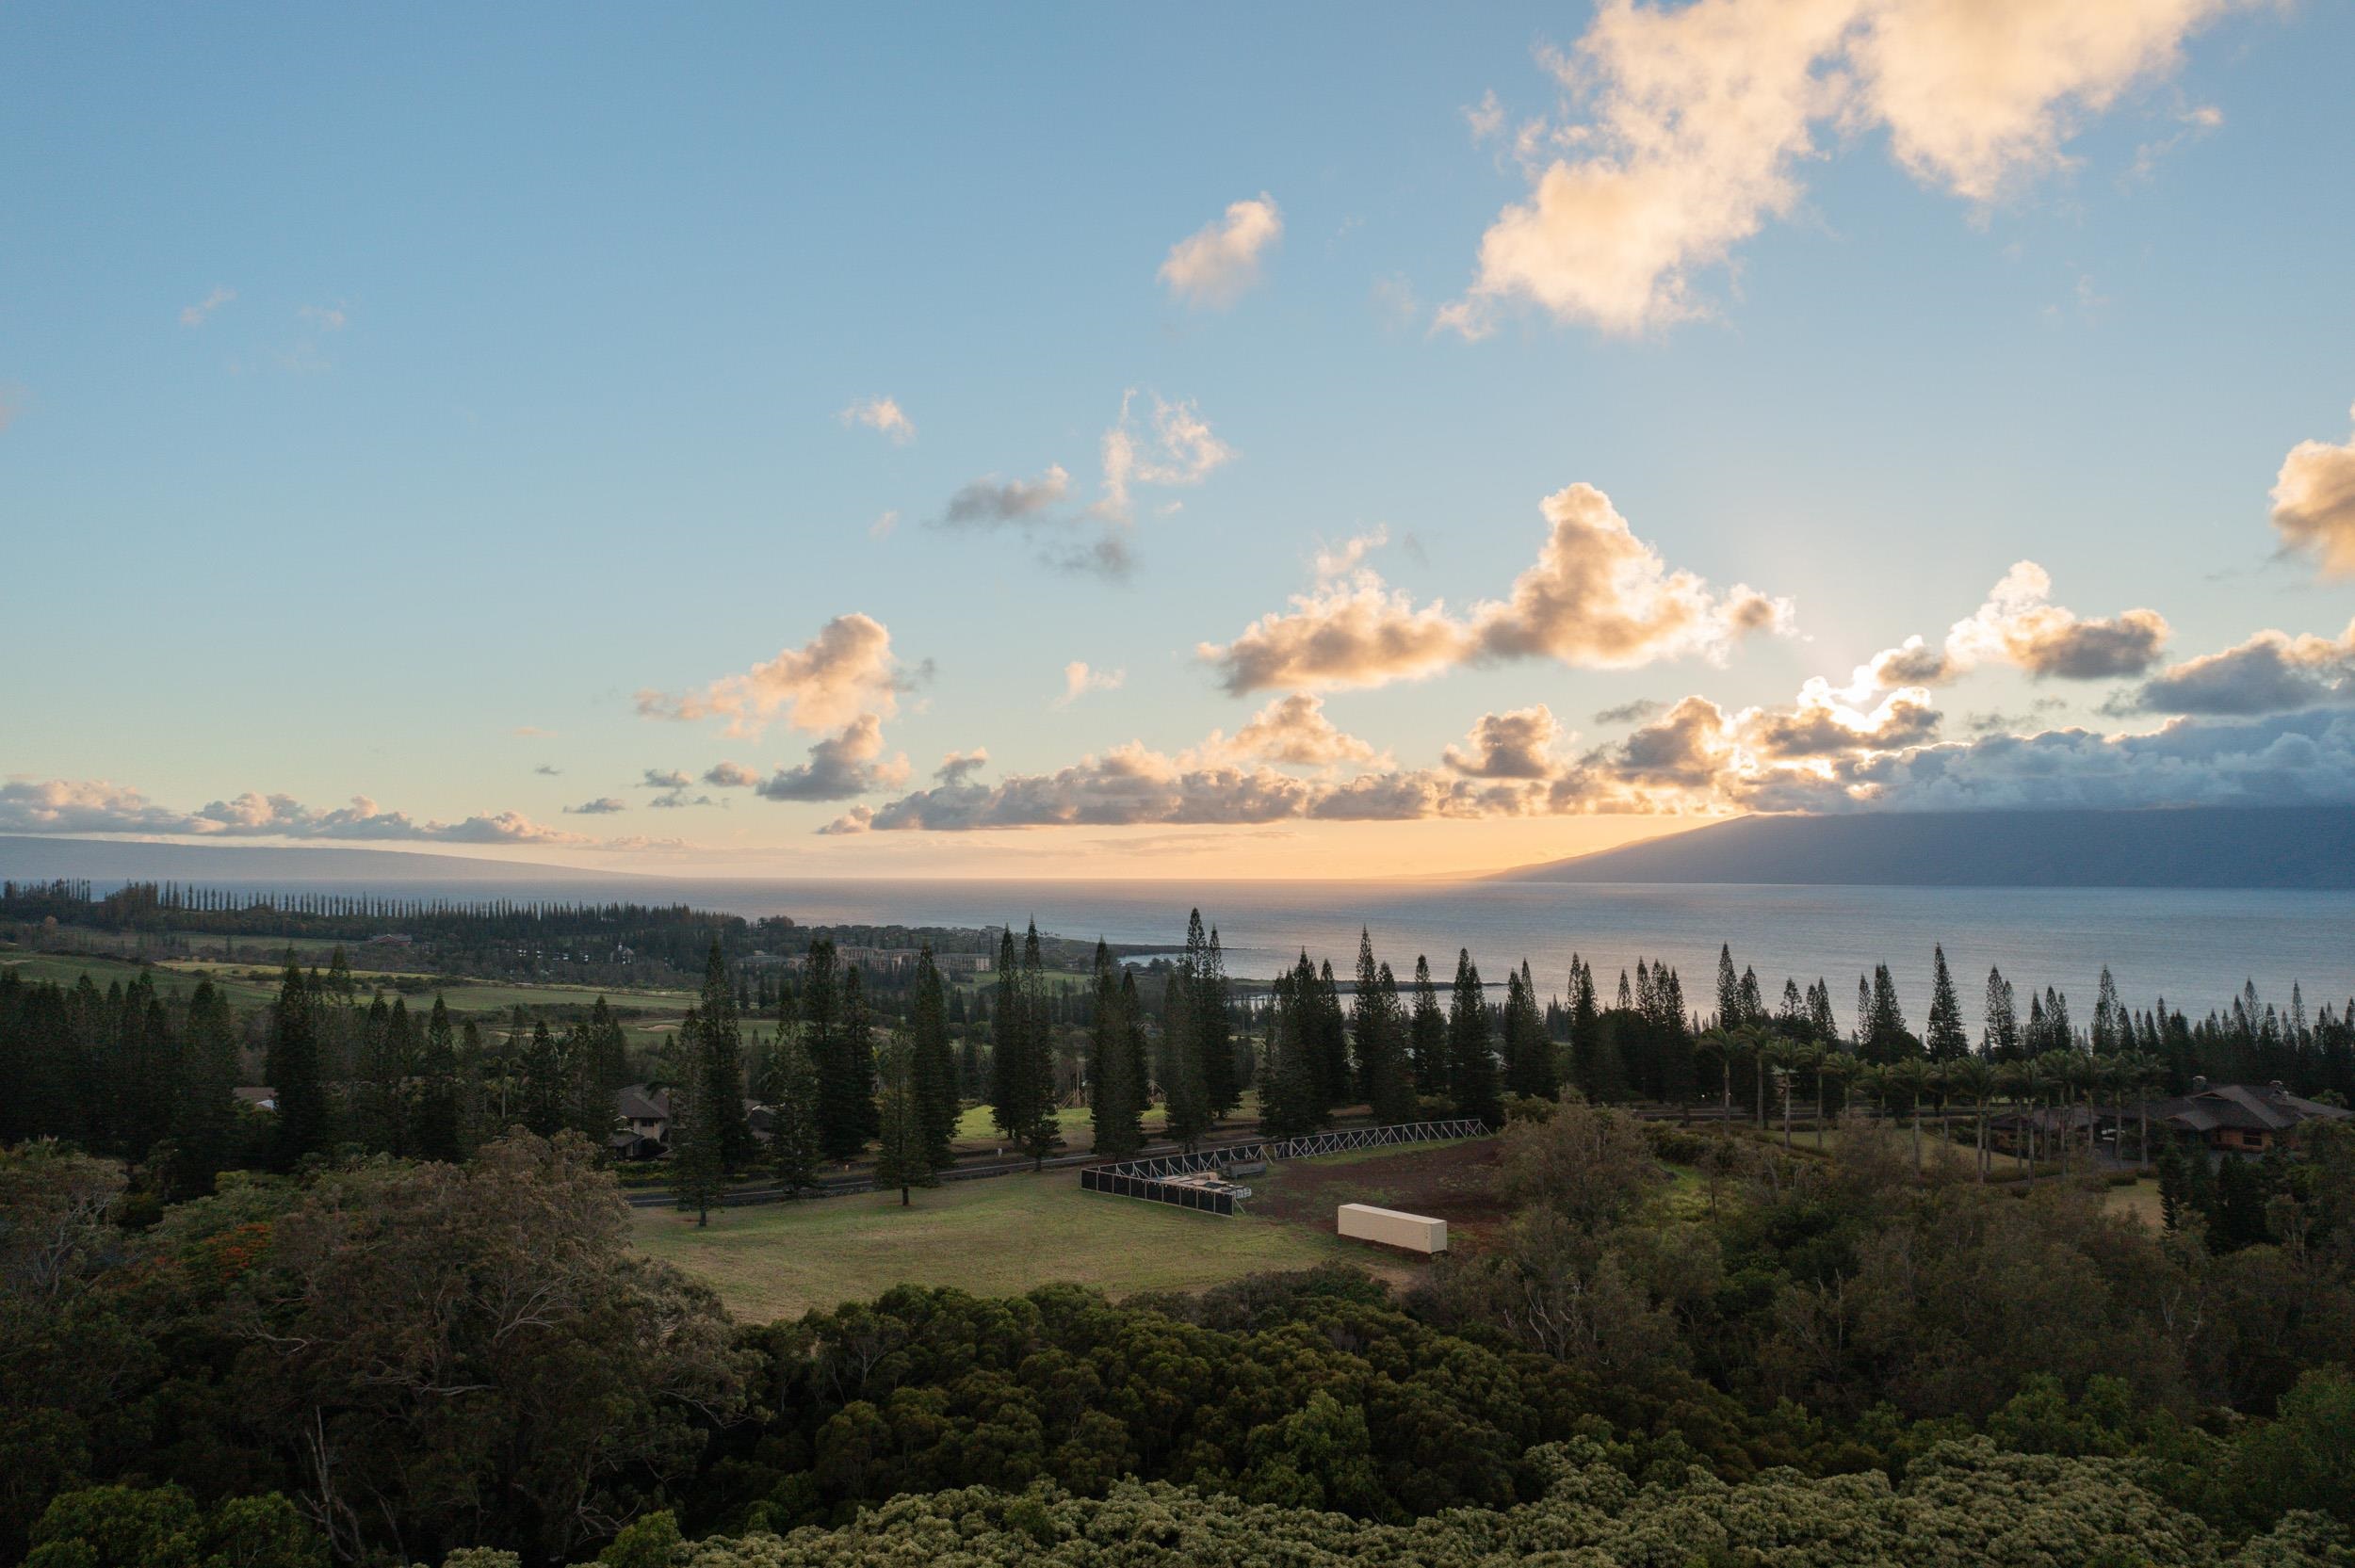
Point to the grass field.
(2140, 1202)
(976, 1127)
(251, 986)
(1000, 1237)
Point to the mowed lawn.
(1000, 1237)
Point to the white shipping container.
(1415, 1233)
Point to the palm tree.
(1973, 1079)
(2011, 1079)
(1830, 1063)
(1720, 1043)
(1786, 1056)
(2078, 1074)
(1914, 1078)
(1872, 1081)
(2143, 1071)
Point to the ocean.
(2194, 948)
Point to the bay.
(2194, 948)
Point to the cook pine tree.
(904, 1157)
(933, 1061)
(1471, 1056)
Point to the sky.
(1090, 441)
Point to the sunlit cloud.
(882, 415)
(2270, 673)
(1597, 598)
(840, 767)
(2018, 625)
(1221, 262)
(2314, 504)
(1079, 678)
(844, 670)
(96, 806)
(1698, 118)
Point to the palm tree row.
(2058, 1081)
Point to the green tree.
(845, 1095)
(1428, 1033)
(1472, 1059)
(1528, 1052)
(903, 1159)
(298, 1079)
(696, 1130)
(1115, 1087)
(934, 1065)
(1038, 1132)
(438, 1113)
(205, 1112)
(1944, 1037)
(128, 1527)
(1292, 1101)
(795, 1140)
(723, 1051)
(1185, 1099)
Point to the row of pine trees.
(151, 1077)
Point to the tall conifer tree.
(1428, 1032)
(1471, 1060)
(932, 1063)
(299, 1090)
(904, 1157)
(1944, 1035)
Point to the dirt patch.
(1453, 1183)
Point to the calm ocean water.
(2194, 948)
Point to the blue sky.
(522, 392)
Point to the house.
(642, 1114)
(2238, 1117)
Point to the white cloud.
(96, 806)
(1292, 731)
(323, 318)
(845, 669)
(881, 529)
(1699, 116)
(1078, 679)
(1516, 745)
(990, 500)
(839, 768)
(1486, 119)
(1178, 449)
(2314, 504)
(1219, 262)
(2019, 625)
(882, 415)
(2270, 673)
(201, 312)
(1597, 598)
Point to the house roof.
(639, 1102)
(2246, 1107)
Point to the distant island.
(2273, 846)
